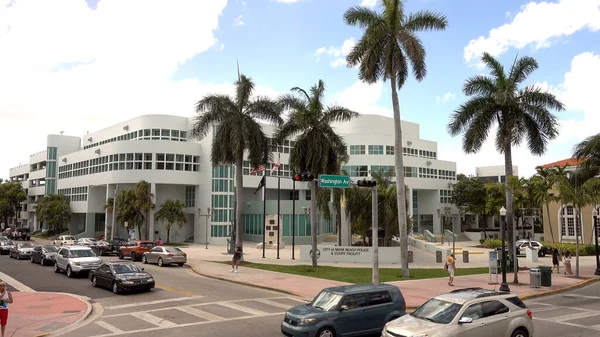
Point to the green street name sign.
(331, 181)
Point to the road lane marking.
(552, 320)
(273, 303)
(15, 284)
(163, 323)
(169, 300)
(242, 308)
(175, 290)
(200, 313)
(575, 316)
(109, 327)
(186, 325)
(582, 296)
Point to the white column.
(199, 225)
(437, 217)
(409, 211)
(151, 213)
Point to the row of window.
(445, 196)
(410, 172)
(190, 196)
(74, 193)
(389, 150)
(146, 134)
(222, 204)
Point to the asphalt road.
(183, 303)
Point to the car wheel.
(56, 269)
(133, 257)
(520, 333)
(327, 332)
(94, 284)
(31, 259)
(160, 262)
(180, 264)
(144, 260)
(69, 272)
(115, 289)
(542, 254)
(121, 255)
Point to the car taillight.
(529, 314)
(169, 255)
(184, 254)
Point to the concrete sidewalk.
(40, 314)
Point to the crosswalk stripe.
(109, 327)
(242, 308)
(199, 313)
(163, 323)
(575, 316)
(143, 304)
(272, 303)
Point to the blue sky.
(125, 59)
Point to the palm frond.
(362, 17)
(466, 113)
(415, 52)
(338, 114)
(212, 109)
(425, 20)
(521, 69)
(494, 66)
(479, 85)
(244, 88)
(265, 109)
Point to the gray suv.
(75, 259)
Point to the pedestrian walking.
(450, 266)
(568, 270)
(5, 299)
(237, 257)
(159, 242)
(555, 262)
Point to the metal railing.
(428, 236)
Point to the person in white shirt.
(450, 266)
(5, 299)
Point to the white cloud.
(288, 1)
(538, 24)
(362, 98)
(368, 3)
(338, 53)
(57, 78)
(446, 97)
(238, 21)
(578, 92)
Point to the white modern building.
(494, 173)
(156, 148)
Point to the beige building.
(563, 218)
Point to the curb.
(87, 313)
(286, 292)
(560, 290)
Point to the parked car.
(358, 309)
(464, 313)
(21, 250)
(6, 246)
(86, 242)
(121, 276)
(21, 233)
(64, 240)
(164, 255)
(107, 247)
(135, 249)
(44, 255)
(541, 249)
(75, 259)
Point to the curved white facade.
(156, 148)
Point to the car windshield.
(69, 238)
(50, 249)
(146, 244)
(26, 245)
(82, 253)
(437, 311)
(326, 301)
(126, 268)
(173, 250)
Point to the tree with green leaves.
(521, 201)
(55, 210)
(171, 212)
(144, 203)
(495, 198)
(12, 195)
(388, 45)
(318, 149)
(238, 131)
(520, 114)
(128, 210)
(469, 194)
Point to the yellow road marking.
(175, 290)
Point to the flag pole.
(293, 217)
(264, 211)
(278, 205)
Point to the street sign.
(333, 181)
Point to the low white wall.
(474, 236)
(350, 254)
(431, 247)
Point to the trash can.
(535, 278)
(465, 254)
(410, 256)
(438, 256)
(546, 276)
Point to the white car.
(65, 240)
(470, 312)
(75, 259)
(87, 242)
(542, 250)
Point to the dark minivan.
(358, 309)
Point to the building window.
(294, 195)
(568, 221)
(74, 194)
(357, 171)
(410, 172)
(389, 150)
(190, 196)
(51, 153)
(177, 162)
(426, 172)
(375, 149)
(445, 196)
(383, 170)
(415, 206)
(357, 149)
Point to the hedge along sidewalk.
(415, 291)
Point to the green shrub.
(493, 243)
(584, 250)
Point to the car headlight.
(76, 263)
(151, 280)
(307, 321)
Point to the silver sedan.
(164, 255)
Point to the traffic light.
(366, 183)
(304, 177)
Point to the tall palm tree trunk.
(239, 199)
(577, 231)
(550, 221)
(313, 220)
(400, 190)
(508, 169)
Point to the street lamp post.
(504, 285)
(595, 213)
(209, 212)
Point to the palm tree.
(521, 199)
(579, 193)
(494, 200)
(389, 43)
(144, 203)
(543, 192)
(520, 113)
(55, 210)
(128, 211)
(588, 153)
(238, 132)
(172, 212)
(318, 149)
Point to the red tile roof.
(568, 162)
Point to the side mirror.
(143, 268)
(465, 320)
(344, 307)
